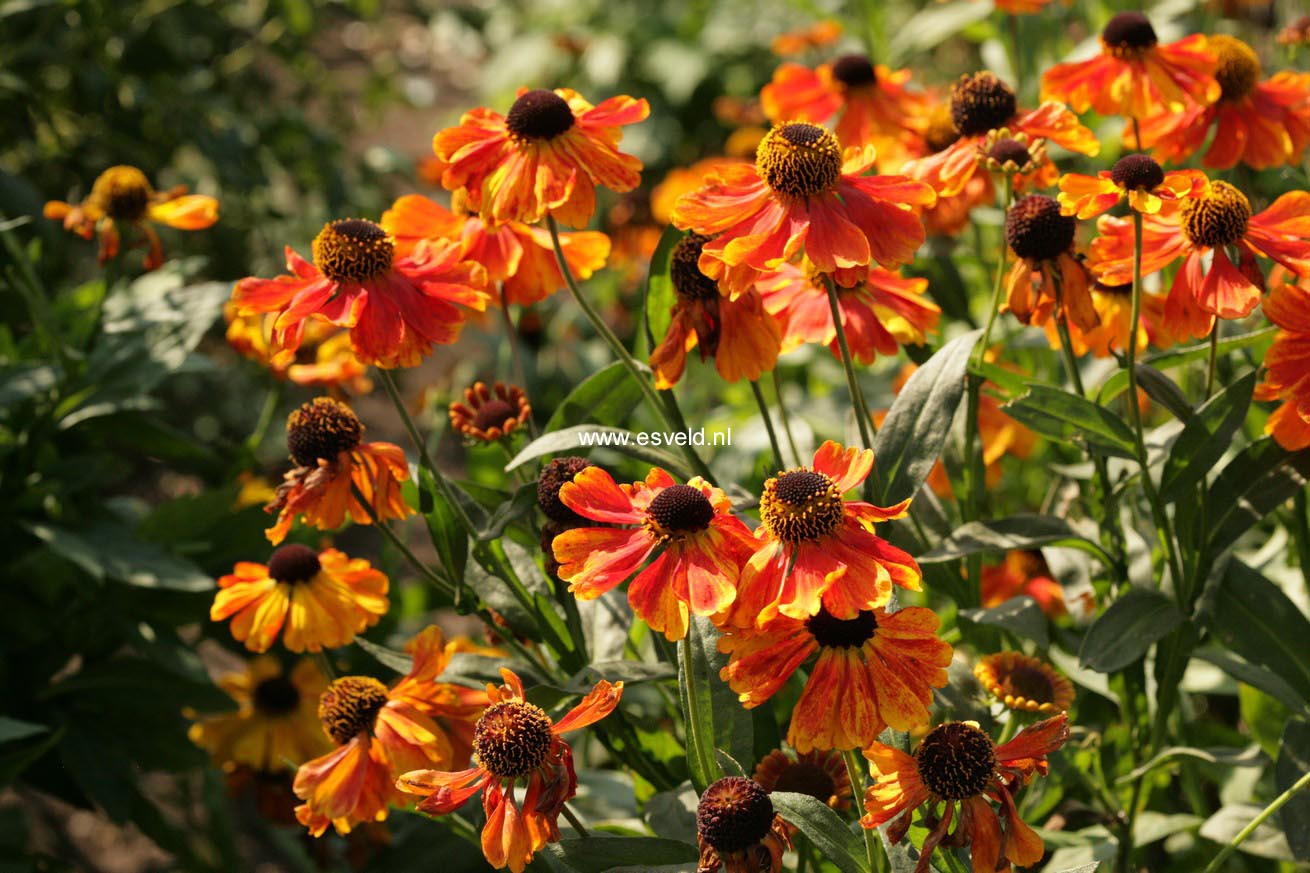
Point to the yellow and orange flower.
(123, 197)
(701, 546)
(1138, 177)
(1134, 76)
(1262, 124)
(515, 742)
(1114, 314)
(871, 104)
(872, 671)
(738, 334)
(878, 314)
(981, 103)
(820, 774)
(684, 180)
(816, 551)
(275, 726)
(544, 157)
(1213, 222)
(1024, 683)
(315, 600)
(959, 767)
(396, 307)
(817, 35)
(324, 359)
(1046, 278)
(737, 829)
(490, 414)
(1021, 7)
(1023, 572)
(381, 733)
(521, 257)
(336, 473)
(950, 214)
(1287, 364)
(801, 195)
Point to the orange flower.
(981, 103)
(817, 35)
(878, 314)
(821, 775)
(950, 214)
(738, 334)
(701, 545)
(324, 359)
(1024, 683)
(1134, 76)
(817, 551)
(520, 256)
(959, 766)
(1021, 157)
(1138, 177)
(1114, 313)
(684, 180)
(380, 733)
(321, 599)
(1023, 572)
(490, 414)
(1046, 277)
(515, 740)
(1287, 364)
(871, 104)
(545, 157)
(332, 465)
(1212, 222)
(801, 196)
(874, 670)
(737, 829)
(1021, 7)
(122, 195)
(1261, 124)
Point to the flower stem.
(872, 843)
(1212, 366)
(768, 423)
(515, 356)
(1278, 803)
(862, 417)
(441, 583)
(573, 820)
(786, 421)
(271, 400)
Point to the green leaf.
(1124, 632)
(13, 729)
(1293, 763)
(444, 527)
(109, 551)
(520, 504)
(1253, 675)
(1015, 532)
(1257, 481)
(657, 304)
(723, 723)
(934, 25)
(1267, 841)
(919, 421)
(387, 657)
(1059, 415)
(599, 853)
(1252, 756)
(1019, 615)
(1205, 438)
(627, 672)
(1177, 357)
(815, 819)
(1164, 391)
(605, 397)
(585, 437)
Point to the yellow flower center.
(353, 250)
(512, 738)
(276, 696)
(321, 430)
(684, 270)
(941, 133)
(539, 115)
(350, 707)
(854, 71)
(981, 103)
(956, 760)
(1218, 218)
(1128, 36)
(677, 511)
(122, 193)
(734, 814)
(799, 160)
(1239, 66)
(294, 564)
(801, 505)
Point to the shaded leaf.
(1294, 763)
(1019, 615)
(657, 305)
(604, 397)
(1127, 629)
(1015, 532)
(1266, 842)
(585, 437)
(1251, 756)
(1164, 391)
(444, 527)
(1257, 481)
(598, 852)
(1059, 415)
(824, 828)
(108, 551)
(1205, 438)
(14, 729)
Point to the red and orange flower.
(1023, 572)
(544, 157)
(874, 670)
(1114, 314)
(958, 767)
(396, 307)
(1138, 177)
(1046, 278)
(324, 359)
(1287, 365)
(701, 546)
(515, 741)
(491, 413)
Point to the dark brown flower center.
(1030, 683)
(684, 270)
(294, 563)
(1128, 35)
(734, 813)
(681, 509)
(840, 633)
(980, 103)
(854, 71)
(956, 761)
(799, 159)
(1137, 173)
(1219, 218)
(494, 413)
(801, 505)
(1010, 150)
(353, 250)
(1239, 66)
(322, 429)
(1036, 230)
(512, 738)
(539, 114)
(123, 193)
(276, 696)
(805, 777)
(551, 480)
(350, 707)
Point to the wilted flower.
(737, 829)
(490, 414)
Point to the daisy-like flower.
(319, 599)
(1023, 572)
(955, 776)
(1287, 364)
(820, 774)
(521, 257)
(684, 180)
(325, 439)
(872, 671)
(1138, 177)
(1262, 124)
(738, 334)
(981, 103)
(275, 725)
(515, 742)
(1024, 683)
(1213, 222)
(737, 829)
(1019, 156)
(1114, 314)
(490, 414)
(701, 546)
(869, 105)
(879, 314)
(801, 196)
(380, 732)
(396, 307)
(815, 551)
(950, 214)
(544, 157)
(1134, 76)
(1046, 277)
(123, 197)
(324, 359)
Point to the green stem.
(786, 420)
(271, 400)
(1278, 803)
(768, 423)
(440, 583)
(872, 843)
(862, 417)
(1212, 366)
(702, 748)
(640, 376)
(573, 820)
(515, 356)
